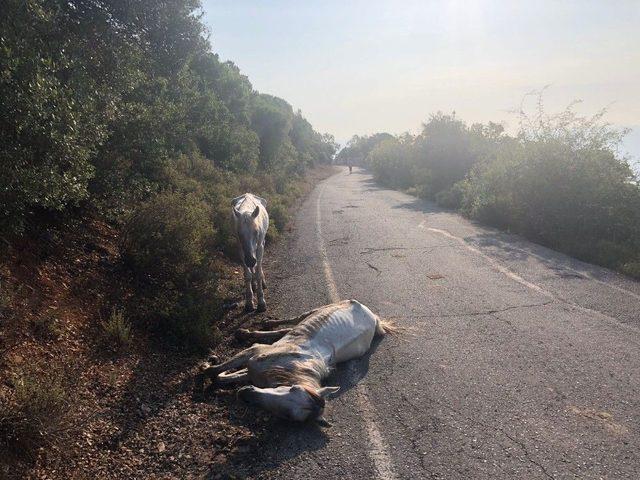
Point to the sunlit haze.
(359, 67)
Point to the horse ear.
(256, 211)
(326, 391)
(323, 422)
(237, 200)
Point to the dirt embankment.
(125, 415)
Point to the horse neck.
(309, 381)
(312, 373)
(308, 373)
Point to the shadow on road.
(512, 248)
(422, 206)
(370, 185)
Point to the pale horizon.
(375, 66)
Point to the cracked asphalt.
(515, 361)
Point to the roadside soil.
(131, 415)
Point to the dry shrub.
(116, 331)
(34, 415)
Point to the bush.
(432, 162)
(6, 297)
(45, 327)
(182, 316)
(48, 122)
(392, 163)
(167, 238)
(106, 104)
(632, 268)
(168, 243)
(561, 184)
(451, 198)
(278, 214)
(97, 97)
(36, 412)
(116, 331)
(190, 321)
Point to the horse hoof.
(242, 333)
(198, 396)
(198, 392)
(248, 308)
(262, 307)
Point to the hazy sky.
(358, 67)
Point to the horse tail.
(384, 326)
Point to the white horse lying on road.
(286, 376)
(252, 222)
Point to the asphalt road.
(516, 361)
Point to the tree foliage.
(100, 98)
(358, 148)
(121, 109)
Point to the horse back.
(340, 331)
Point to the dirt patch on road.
(600, 417)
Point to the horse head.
(248, 234)
(296, 402)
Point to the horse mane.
(307, 373)
(300, 376)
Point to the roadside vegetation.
(121, 111)
(35, 415)
(116, 332)
(559, 181)
(123, 139)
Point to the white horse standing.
(286, 376)
(252, 222)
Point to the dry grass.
(45, 327)
(116, 332)
(34, 415)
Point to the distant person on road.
(350, 167)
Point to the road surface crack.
(471, 314)
(339, 241)
(434, 247)
(369, 250)
(374, 267)
(514, 440)
(419, 451)
(492, 312)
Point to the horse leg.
(237, 361)
(248, 291)
(240, 377)
(262, 305)
(262, 336)
(289, 321)
(262, 277)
